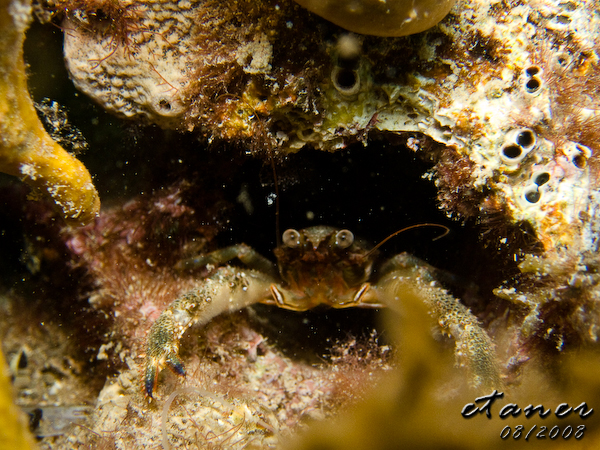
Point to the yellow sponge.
(13, 432)
(26, 149)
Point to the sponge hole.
(541, 178)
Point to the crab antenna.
(270, 152)
(418, 225)
(276, 202)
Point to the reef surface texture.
(499, 100)
(508, 85)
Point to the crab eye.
(291, 238)
(344, 238)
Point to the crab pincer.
(162, 351)
(227, 289)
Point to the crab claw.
(175, 364)
(162, 351)
(153, 367)
(150, 377)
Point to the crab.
(319, 265)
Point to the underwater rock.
(497, 83)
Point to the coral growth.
(26, 149)
(129, 248)
(241, 392)
(238, 73)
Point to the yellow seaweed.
(419, 405)
(26, 149)
(13, 432)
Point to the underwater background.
(202, 125)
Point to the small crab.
(319, 265)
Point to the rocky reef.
(237, 112)
(509, 88)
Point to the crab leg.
(247, 255)
(407, 275)
(228, 289)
